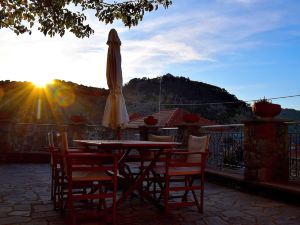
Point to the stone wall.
(266, 150)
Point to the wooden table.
(128, 145)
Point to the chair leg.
(70, 215)
(159, 187)
(154, 189)
(199, 207)
(62, 200)
(114, 204)
(70, 212)
(198, 203)
(56, 190)
(114, 209)
(167, 194)
(52, 182)
(201, 194)
(186, 184)
(102, 202)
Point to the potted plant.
(77, 119)
(150, 120)
(190, 118)
(264, 108)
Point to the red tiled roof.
(169, 118)
(134, 116)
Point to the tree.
(57, 16)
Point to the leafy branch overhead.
(57, 16)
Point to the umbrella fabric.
(115, 112)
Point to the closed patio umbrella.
(115, 112)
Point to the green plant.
(265, 108)
(58, 16)
(263, 100)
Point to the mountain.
(58, 102)
(290, 114)
(143, 96)
(62, 101)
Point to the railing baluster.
(226, 144)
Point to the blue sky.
(249, 47)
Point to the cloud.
(175, 37)
(247, 2)
(199, 36)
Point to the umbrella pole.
(119, 133)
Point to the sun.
(42, 82)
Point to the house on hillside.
(134, 116)
(169, 118)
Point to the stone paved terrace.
(25, 190)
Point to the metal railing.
(226, 143)
(227, 149)
(32, 137)
(294, 155)
(226, 146)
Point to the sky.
(251, 48)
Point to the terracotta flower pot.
(77, 119)
(150, 120)
(190, 118)
(266, 109)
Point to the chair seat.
(91, 176)
(178, 171)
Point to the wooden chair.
(184, 174)
(56, 172)
(90, 187)
(58, 181)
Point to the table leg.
(137, 183)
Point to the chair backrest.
(197, 144)
(64, 142)
(51, 148)
(64, 149)
(159, 138)
(50, 140)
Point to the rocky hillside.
(290, 114)
(22, 102)
(58, 102)
(142, 96)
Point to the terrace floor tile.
(25, 200)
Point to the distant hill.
(290, 114)
(212, 102)
(22, 101)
